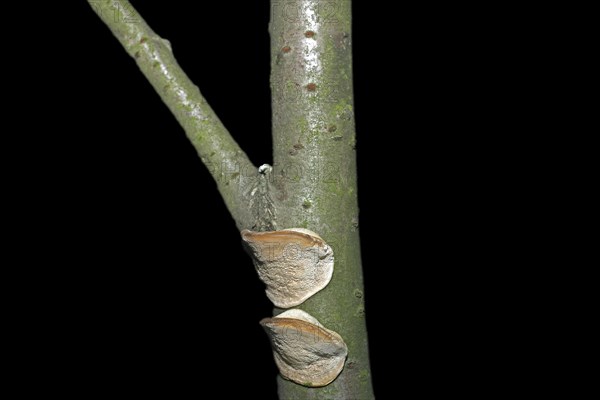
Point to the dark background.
(134, 216)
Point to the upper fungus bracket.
(294, 264)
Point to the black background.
(134, 215)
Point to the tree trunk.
(313, 181)
(315, 169)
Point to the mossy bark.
(313, 181)
(315, 169)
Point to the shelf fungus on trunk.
(304, 350)
(294, 264)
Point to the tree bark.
(315, 169)
(313, 180)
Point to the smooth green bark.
(313, 181)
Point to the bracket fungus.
(305, 352)
(294, 264)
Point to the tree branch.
(228, 164)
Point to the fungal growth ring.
(294, 264)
